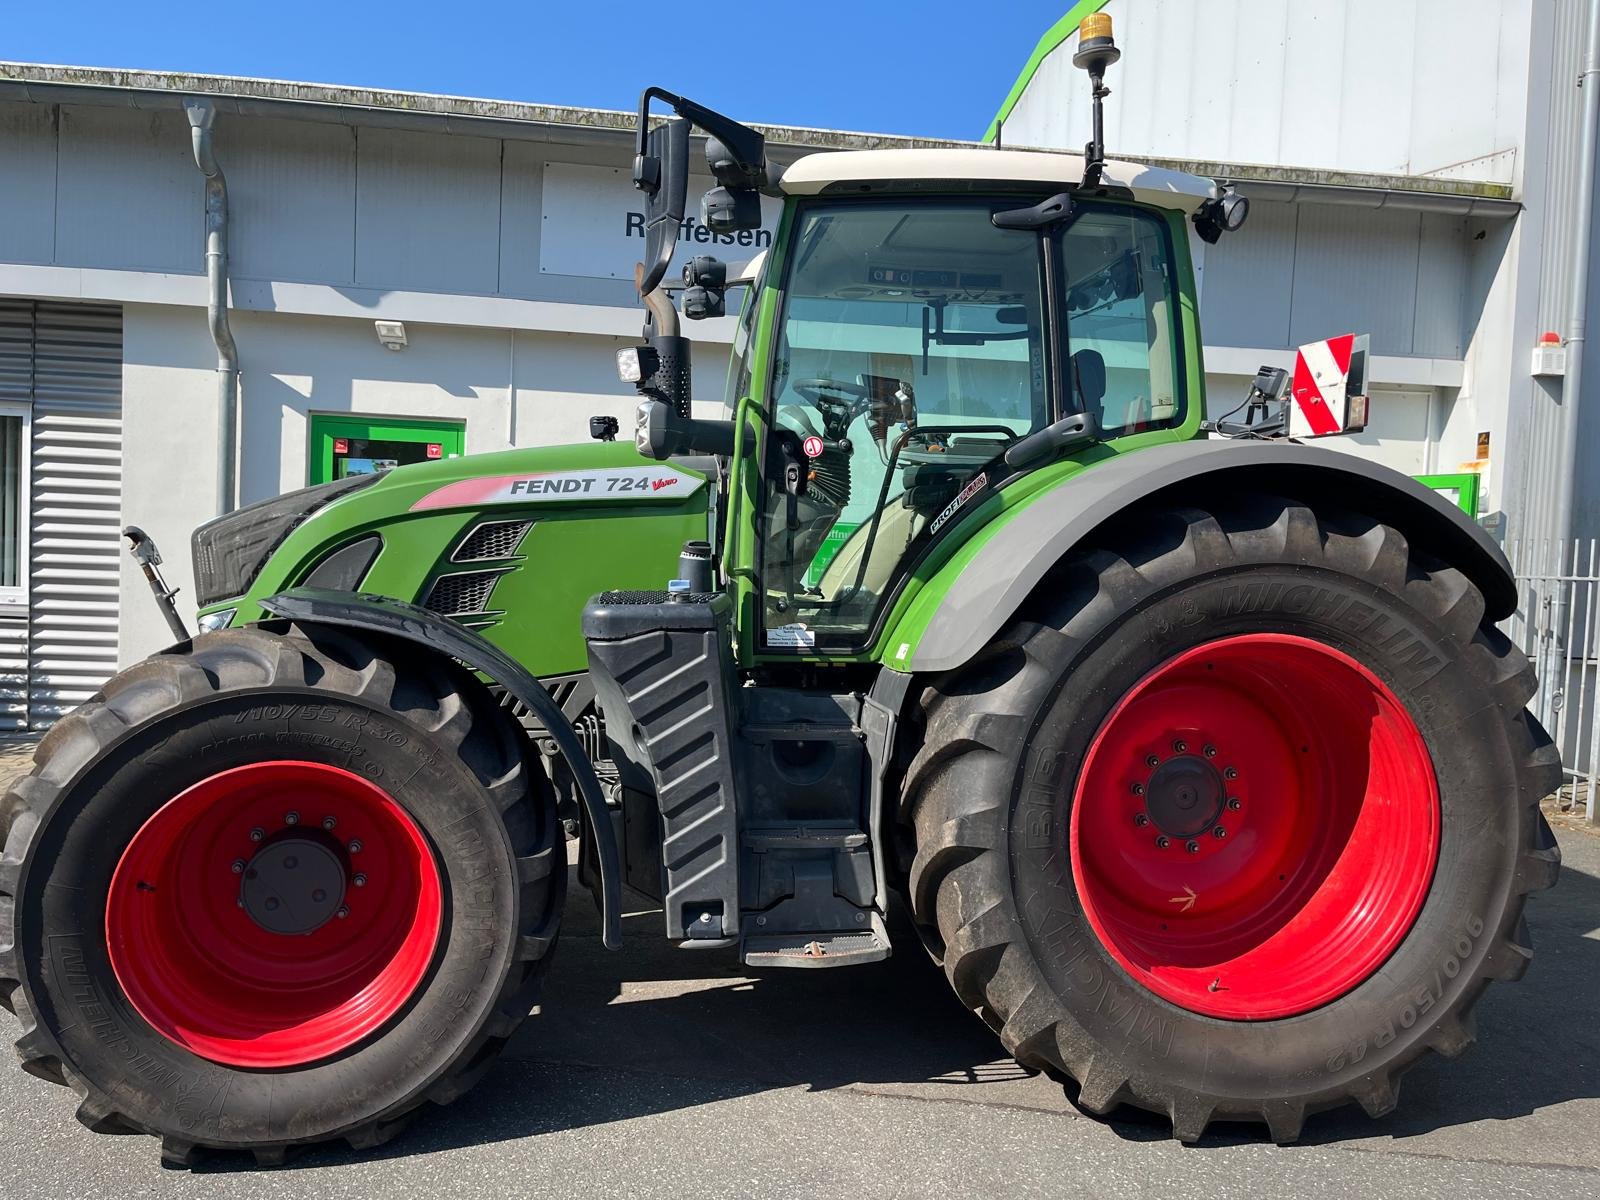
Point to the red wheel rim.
(274, 914)
(1328, 810)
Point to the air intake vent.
(491, 540)
(463, 593)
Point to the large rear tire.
(1237, 821)
(274, 887)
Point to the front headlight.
(230, 551)
(214, 621)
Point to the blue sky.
(936, 67)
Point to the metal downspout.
(201, 115)
(1577, 316)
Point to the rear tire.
(464, 841)
(1023, 932)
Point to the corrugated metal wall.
(65, 360)
(1304, 271)
(16, 386)
(1413, 87)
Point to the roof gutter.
(1578, 314)
(201, 116)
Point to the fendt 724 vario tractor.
(1193, 751)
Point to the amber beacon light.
(1097, 49)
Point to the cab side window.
(1121, 314)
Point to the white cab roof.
(1151, 185)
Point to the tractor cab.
(909, 351)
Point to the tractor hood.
(477, 538)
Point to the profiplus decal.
(967, 493)
(548, 487)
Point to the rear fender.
(992, 585)
(396, 618)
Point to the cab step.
(817, 948)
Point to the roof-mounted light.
(1097, 49)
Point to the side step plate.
(835, 948)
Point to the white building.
(497, 234)
(1411, 165)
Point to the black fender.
(396, 618)
(992, 587)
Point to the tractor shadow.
(652, 1029)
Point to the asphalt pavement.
(659, 1072)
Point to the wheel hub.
(294, 885)
(1184, 796)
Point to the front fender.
(396, 618)
(987, 588)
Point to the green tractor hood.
(475, 539)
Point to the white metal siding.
(16, 385)
(76, 512)
(1410, 87)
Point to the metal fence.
(1558, 607)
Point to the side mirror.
(661, 172)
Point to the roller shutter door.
(65, 360)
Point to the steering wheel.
(815, 390)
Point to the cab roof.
(834, 171)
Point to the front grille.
(462, 593)
(491, 540)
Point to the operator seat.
(1089, 378)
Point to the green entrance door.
(342, 444)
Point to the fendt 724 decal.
(663, 482)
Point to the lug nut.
(1230, 773)
(1138, 789)
(329, 822)
(1210, 752)
(342, 913)
(360, 881)
(1192, 847)
(257, 834)
(1141, 820)
(1233, 803)
(1162, 843)
(1219, 832)
(1180, 746)
(238, 866)
(355, 846)
(291, 818)
(1152, 761)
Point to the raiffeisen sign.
(593, 224)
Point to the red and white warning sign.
(1327, 374)
(812, 446)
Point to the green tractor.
(1192, 751)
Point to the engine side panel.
(511, 545)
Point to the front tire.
(1068, 868)
(276, 886)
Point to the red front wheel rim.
(274, 914)
(1255, 827)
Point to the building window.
(14, 421)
